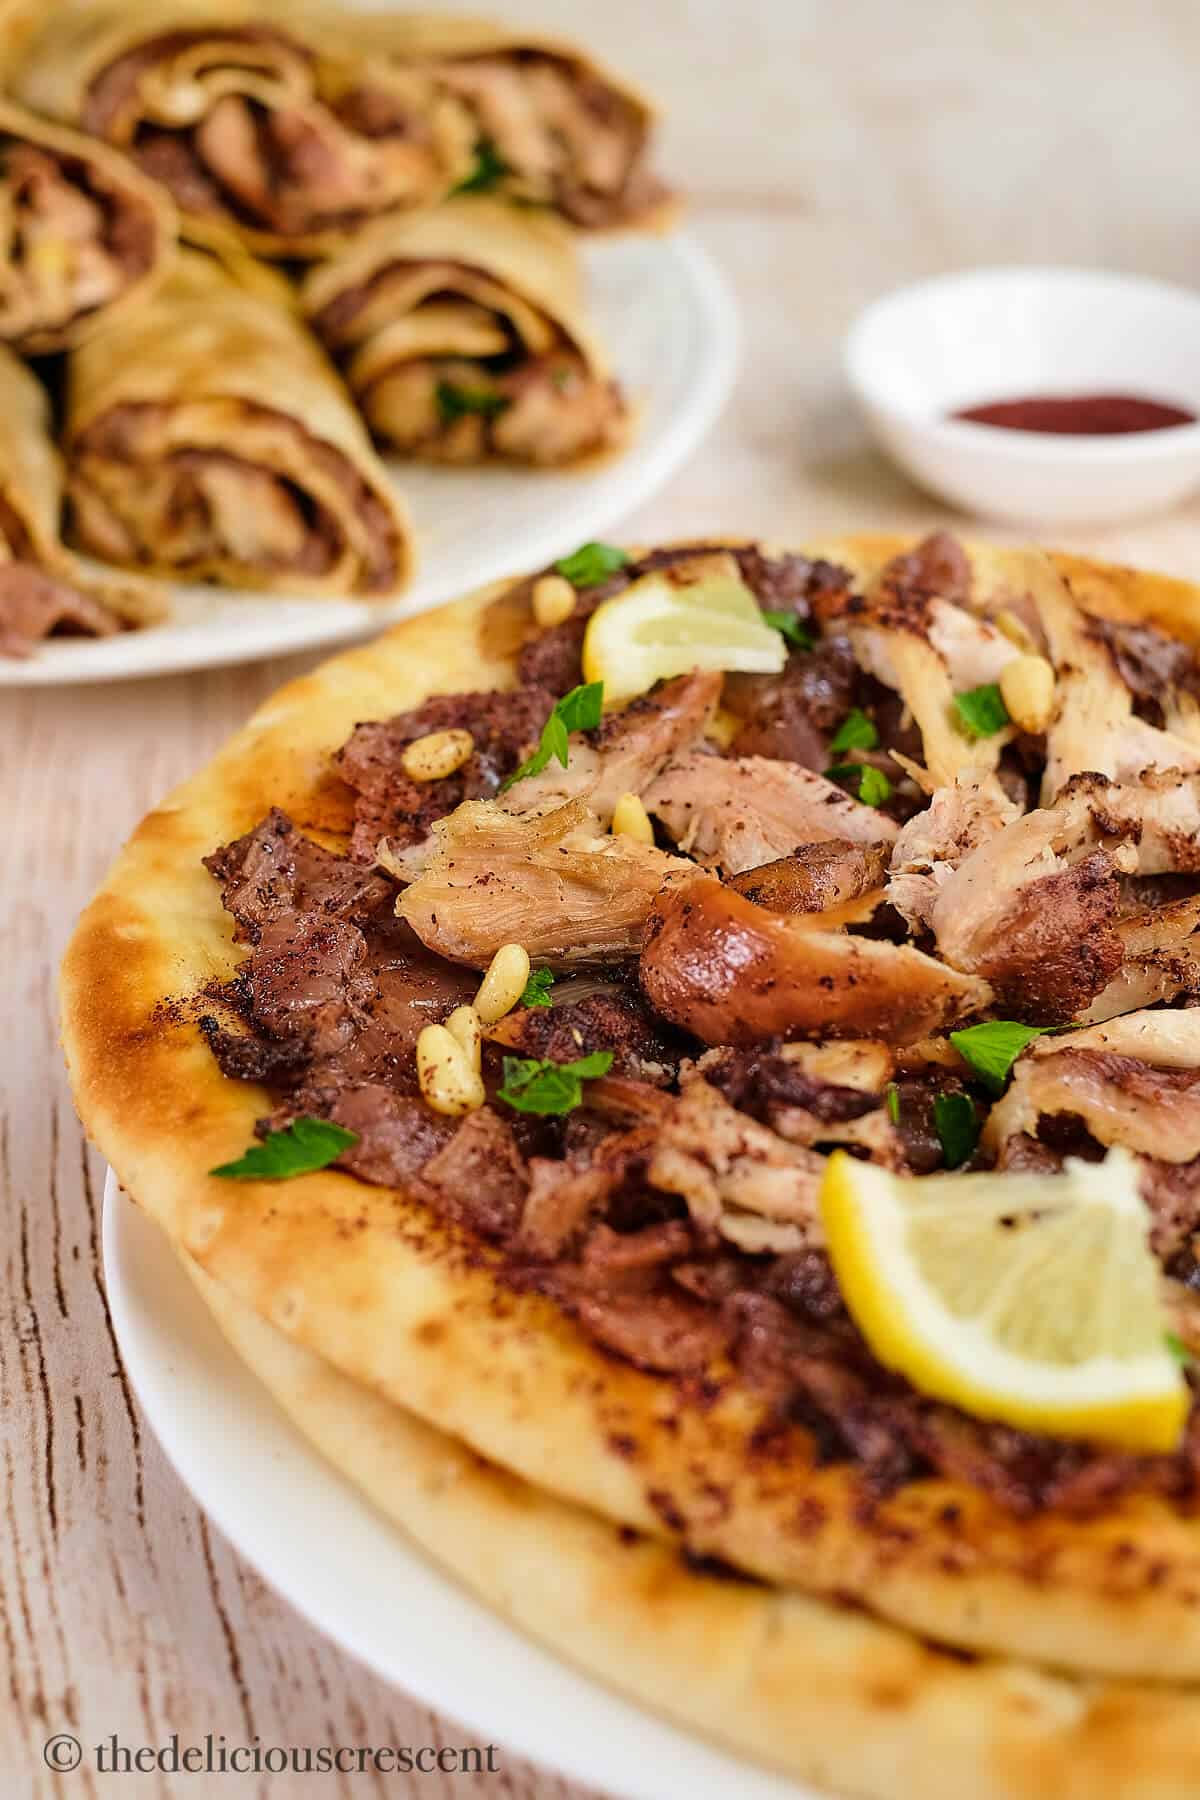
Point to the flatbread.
(221, 361)
(51, 63)
(374, 1284)
(31, 491)
(142, 206)
(530, 257)
(824, 1692)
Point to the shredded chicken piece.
(736, 813)
(934, 842)
(552, 881)
(815, 876)
(626, 753)
(734, 973)
(562, 1196)
(1161, 960)
(1133, 1081)
(736, 1175)
(914, 636)
(1095, 727)
(1033, 908)
(811, 1094)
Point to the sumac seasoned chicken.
(650, 998)
(208, 438)
(44, 591)
(262, 122)
(462, 336)
(81, 233)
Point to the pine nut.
(437, 754)
(1015, 631)
(553, 600)
(448, 1082)
(631, 820)
(1027, 688)
(504, 983)
(722, 728)
(464, 1027)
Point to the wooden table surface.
(832, 152)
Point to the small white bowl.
(996, 334)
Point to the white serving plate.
(353, 1575)
(671, 330)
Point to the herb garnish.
(304, 1145)
(591, 564)
(893, 1102)
(458, 402)
(537, 1085)
(580, 710)
(856, 732)
(957, 1126)
(537, 988)
(981, 711)
(489, 171)
(1179, 1350)
(993, 1048)
(873, 785)
(789, 626)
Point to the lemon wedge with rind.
(1030, 1299)
(696, 614)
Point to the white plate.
(353, 1575)
(671, 330)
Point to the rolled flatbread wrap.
(43, 588)
(81, 233)
(462, 336)
(549, 123)
(208, 437)
(257, 117)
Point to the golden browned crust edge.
(372, 1284)
(825, 1692)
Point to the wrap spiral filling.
(556, 133)
(149, 485)
(69, 245)
(450, 364)
(249, 126)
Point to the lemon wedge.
(1028, 1298)
(698, 614)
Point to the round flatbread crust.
(824, 1692)
(374, 1284)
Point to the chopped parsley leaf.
(957, 1126)
(591, 564)
(580, 710)
(457, 402)
(304, 1145)
(873, 785)
(893, 1102)
(537, 988)
(856, 732)
(993, 1047)
(489, 171)
(981, 711)
(537, 1085)
(789, 626)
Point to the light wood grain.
(833, 151)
